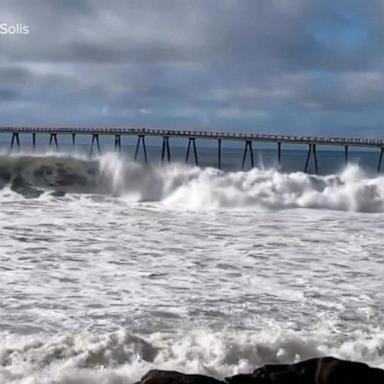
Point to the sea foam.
(121, 357)
(191, 187)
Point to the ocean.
(110, 267)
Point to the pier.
(192, 137)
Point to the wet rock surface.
(325, 370)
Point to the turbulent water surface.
(109, 268)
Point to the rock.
(173, 377)
(325, 370)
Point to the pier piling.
(165, 150)
(137, 147)
(188, 149)
(311, 149)
(346, 154)
(248, 146)
(192, 142)
(279, 154)
(380, 160)
(315, 158)
(118, 143)
(219, 153)
(73, 140)
(33, 142)
(195, 152)
(15, 138)
(53, 139)
(141, 139)
(95, 140)
(308, 157)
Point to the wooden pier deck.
(192, 136)
(356, 142)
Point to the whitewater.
(110, 267)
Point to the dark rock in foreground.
(325, 370)
(173, 377)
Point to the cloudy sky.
(279, 66)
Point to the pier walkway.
(192, 136)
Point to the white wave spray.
(179, 185)
(189, 187)
(121, 357)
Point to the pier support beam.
(315, 158)
(308, 157)
(73, 140)
(219, 153)
(53, 139)
(380, 160)
(33, 142)
(118, 143)
(311, 148)
(346, 154)
(95, 139)
(15, 139)
(192, 141)
(141, 139)
(165, 150)
(279, 154)
(248, 146)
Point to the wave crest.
(121, 357)
(179, 185)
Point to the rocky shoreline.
(324, 370)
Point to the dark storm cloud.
(7, 94)
(269, 65)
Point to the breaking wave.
(191, 187)
(121, 357)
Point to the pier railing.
(192, 136)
